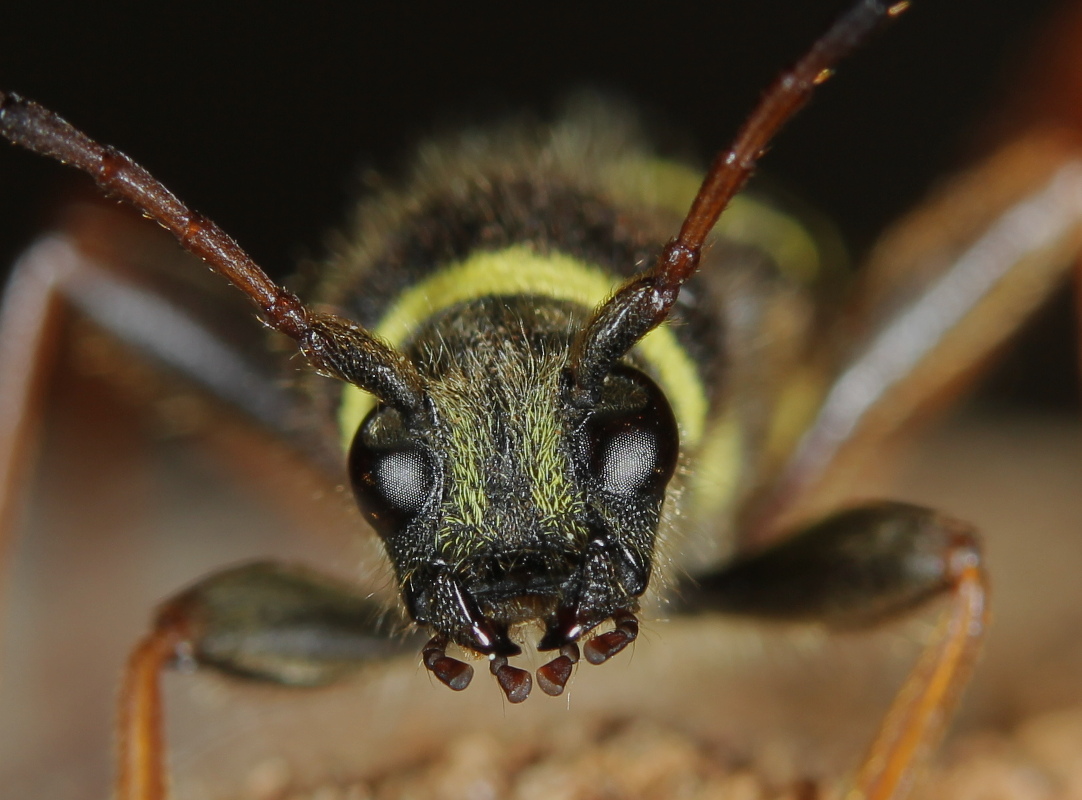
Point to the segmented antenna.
(644, 302)
(333, 345)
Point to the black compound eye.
(633, 446)
(392, 482)
(628, 460)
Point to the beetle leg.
(857, 568)
(27, 323)
(141, 773)
(147, 302)
(136, 303)
(264, 621)
(969, 267)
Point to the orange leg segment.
(141, 772)
(920, 712)
(858, 568)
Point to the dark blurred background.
(263, 115)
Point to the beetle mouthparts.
(552, 677)
(452, 672)
(605, 645)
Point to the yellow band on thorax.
(518, 270)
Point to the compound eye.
(392, 482)
(628, 461)
(634, 450)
